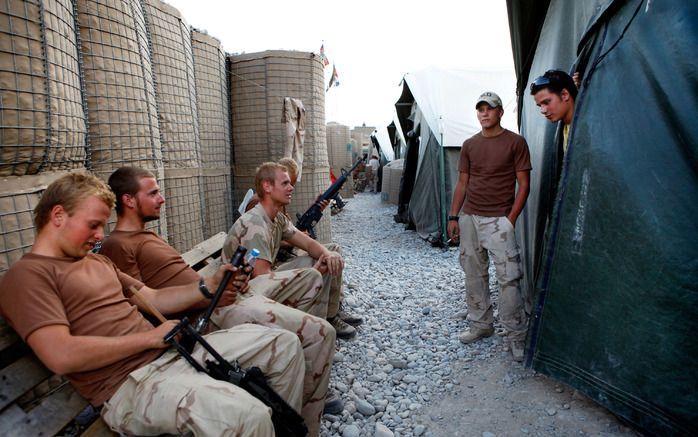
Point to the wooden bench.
(36, 402)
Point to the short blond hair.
(291, 166)
(266, 173)
(69, 191)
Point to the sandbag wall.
(259, 82)
(175, 95)
(339, 150)
(214, 131)
(42, 122)
(119, 91)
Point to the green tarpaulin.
(612, 249)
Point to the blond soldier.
(491, 164)
(342, 320)
(72, 309)
(265, 226)
(147, 257)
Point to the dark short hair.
(126, 180)
(555, 81)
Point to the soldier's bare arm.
(65, 353)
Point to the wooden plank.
(210, 268)
(49, 417)
(8, 417)
(204, 249)
(8, 337)
(17, 378)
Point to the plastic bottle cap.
(254, 252)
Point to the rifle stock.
(309, 219)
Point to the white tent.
(437, 113)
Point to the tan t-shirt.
(148, 258)
(492, 163)
(87, 295)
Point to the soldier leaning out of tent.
(555, 93)
(265, 226)
(142, 254)
(59, 296)
(491, 163)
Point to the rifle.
(309, 219)
(287, 422)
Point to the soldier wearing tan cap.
(492, 162)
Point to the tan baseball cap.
(490, 98)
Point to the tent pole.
(442, 182)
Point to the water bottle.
(251, 258)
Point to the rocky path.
(406, 373)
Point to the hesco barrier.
(339, 150)
(214, 131)
(42, 122)
(259, 82)
(175, 92)
(119, 90)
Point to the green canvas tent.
(610, 230)
(436, 111)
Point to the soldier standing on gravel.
(491, 163)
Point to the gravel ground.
(406, 373)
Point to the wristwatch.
(204, 289)
(453, 217)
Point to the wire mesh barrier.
(259, 82)
(119, 90)
(212, 104)
(217, 184)
(339, 150)
(42, 123)
(175, 93)
(173, 70)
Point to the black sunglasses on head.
(539, 83)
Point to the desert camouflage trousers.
(168, 396)
(317, 338)
(478, 236)
(300, 288)
(331, 285)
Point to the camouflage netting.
(259, 84)
(214, 129)
(173, 70)
(339, 150)
(42, 123)
(119, 91)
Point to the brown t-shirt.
(86, 295)
(148, 258)
(492, 163)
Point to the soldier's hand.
(158, 334)
(335, 263)
(321, 265)
(324, 204)
(453, 230)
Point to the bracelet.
(204, 289)
(453, 217)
